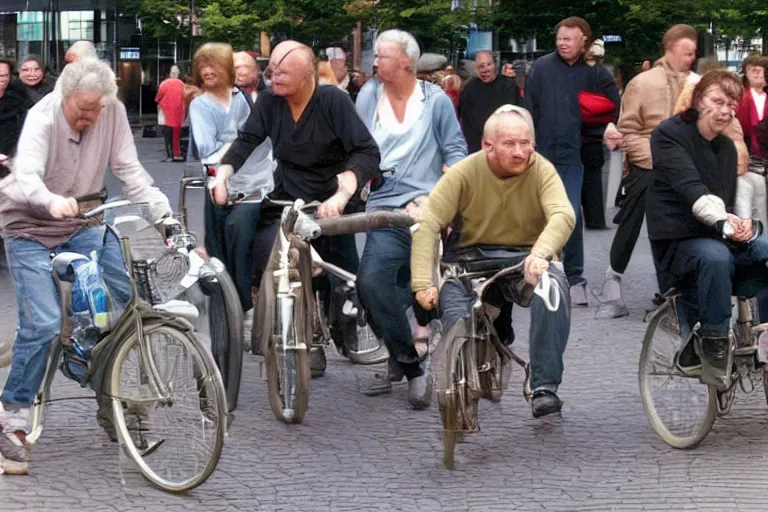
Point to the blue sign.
(613, 38)
(130, 53)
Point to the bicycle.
(135, 367)
(680, 409)
(211, 289)
(471, 362)
(287, 305)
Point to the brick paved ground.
(355, 453)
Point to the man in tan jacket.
(648, 100)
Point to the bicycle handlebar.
(364, 222)
(107, 206)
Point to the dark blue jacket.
(551, 95)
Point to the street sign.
(130, 53)
(613, 38)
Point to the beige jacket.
(648, 100)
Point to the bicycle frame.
(131, 315)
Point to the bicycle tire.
(298, 358)
(208, 387)
(652, 342)
(226, 335)
(448, 400)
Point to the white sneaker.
(579, 294)
(611, 290)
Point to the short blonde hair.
(215, 55)
(325, 74)
(504, 113)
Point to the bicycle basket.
(160, 281)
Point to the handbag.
(596, 108)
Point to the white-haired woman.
(171, 113)
(67, 143)
(418, 134)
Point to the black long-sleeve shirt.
(328, 139)
(687, 166)
(479, 100)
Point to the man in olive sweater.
(505, 195)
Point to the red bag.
(596, 108)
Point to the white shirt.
(759, 103)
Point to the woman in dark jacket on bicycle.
(699, 245)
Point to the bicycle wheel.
(287, 366)
(225, 325)
(447, 371)
(680, 409)
(175, 440)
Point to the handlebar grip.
(98, 196)
(364, 222)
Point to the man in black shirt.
(482, 96)
(323, 150)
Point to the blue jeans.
(384, 289)
(573, 252)
(549, 330)
(39, 307)
(708, 273)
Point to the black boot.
(715, 361)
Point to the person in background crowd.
(507, 70)
(357, 81)
(452, 86)
(248, 76)
(215, 118)
(552, 96)
(170, 102)
(326, 76)
(37, 82)
(415, 127)
(648, 100)
(751, 197)
(592, 158)
(14, 103)
(338, 59)
(80, 50)
(482, 96)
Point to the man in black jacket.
(699, 245)
(482, 96)
(552, 97)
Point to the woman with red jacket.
(170, 101)
(754, 107)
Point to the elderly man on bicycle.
(68, 140)
(504, 196)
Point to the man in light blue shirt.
(415, 126)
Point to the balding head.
(246, 71)
(80, 50)
(293, 68)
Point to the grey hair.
(504, 113)
(404, 39)
(88, 74)
(174, 71)
(480, 52)
(83, 50)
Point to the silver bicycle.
(168, 404)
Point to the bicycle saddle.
(486, 258)
(62, 265)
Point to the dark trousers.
(337, 250)
(592, 190)
(630, 217)
(229, 236)
(172, 136)
(708, 272)
(573, 252)
(549, 330)
(384, 289)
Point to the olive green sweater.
(529, 210)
